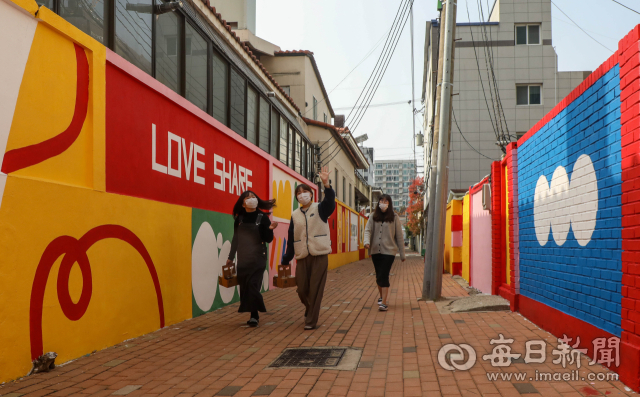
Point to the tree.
(416, 206)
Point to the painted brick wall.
(496, 230)
(569, 197)
(629, 61)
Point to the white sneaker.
(383, 308)
(379, 301)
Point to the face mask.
(251, 202)
(383, 207)
(304, 198)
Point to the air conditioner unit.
(486, 196)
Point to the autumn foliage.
(416, 206)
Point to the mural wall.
(561, 239)
(116, 197)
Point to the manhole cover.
(309, 358)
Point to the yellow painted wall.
(337, 260)
(447, 241)
(123, 304)
(465, 238)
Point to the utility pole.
(432, 286)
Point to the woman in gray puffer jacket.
(383, 237)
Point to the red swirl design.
(75, 250)
(27, 156)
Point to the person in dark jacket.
(252, 229)
(310, 242)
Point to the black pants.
(382, 263)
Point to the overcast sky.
(342, 32)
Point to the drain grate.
(309, 357)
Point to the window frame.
(526, 26)
(315, 108)
(529, 95)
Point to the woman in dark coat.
(252, 229)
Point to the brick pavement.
(215, 355)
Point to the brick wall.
(496, 229)
(629, 62)
(569, 181)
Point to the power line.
(352, 70)
(385, 56)
(584, 31)
(465, 139)
(381, 75)
(484, 93)
(625, 7)
(382, 54)
(376, 105)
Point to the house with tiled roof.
(297, 73)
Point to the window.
(89, 16)
(520, 134)
(284, 131)
(297, 144)
(252, 114)
(379, 167)
(325, 118)
(335, 181)
(303, 157)
(291, 148)
(344, 188)
(265, 109)
(220, 80)
(237, 102)
(310, 164)
(286, 89)
(528, 34)
(528, 95)
(196, 68)
(168, 50)
(133, 33)
(275, 132)
(350, 195)
(315, 108)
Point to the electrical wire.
(465, 139)
(381, 75)
(495, 131)
(625, 7)
(495, 94)
(382, 54)
(377, 105)
(584, 31)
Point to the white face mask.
(304, 198)
(251, 202)
(383, 207)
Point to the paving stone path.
(216, 355)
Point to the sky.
(341, 33)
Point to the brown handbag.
(229, 276)
(284, 279)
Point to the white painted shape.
(265, 279)
(558, 206)
(17, 29)
(584, 190)
(204, 260)
(225, 247)
(540, 217)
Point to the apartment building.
(395, 177)
(505, 79)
